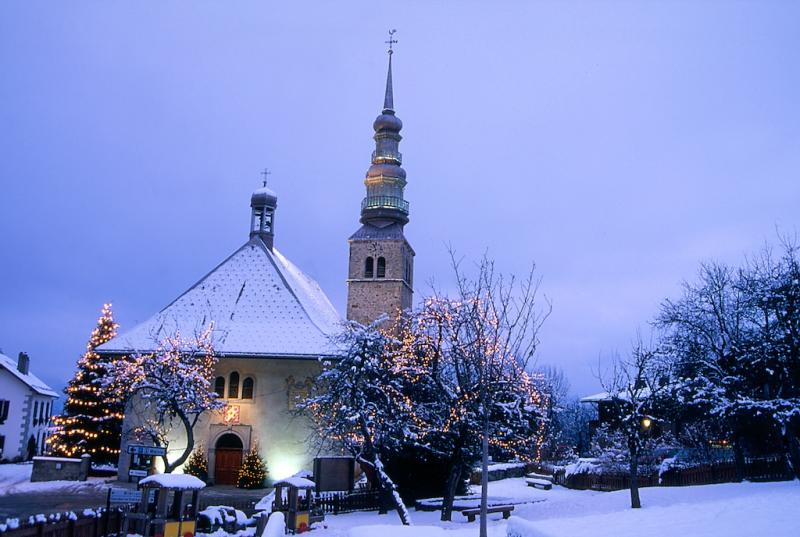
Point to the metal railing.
(384, 202)
(383, 156)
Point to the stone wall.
(369, 298)
(60, 469)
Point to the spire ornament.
(388, 99)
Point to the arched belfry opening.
(229, 452)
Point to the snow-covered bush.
(276, 525)
(519, 527)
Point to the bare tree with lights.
(169, 389)
(446, 383)
(493, 333)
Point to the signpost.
(142, 459)
(153, 451)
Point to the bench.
(472, 513)
(539, 483)
(534, 475)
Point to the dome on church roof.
(387, 170)
(387, 122)
(263, 196)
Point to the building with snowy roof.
(271, 323)
(26, 404)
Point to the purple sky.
(617, 145)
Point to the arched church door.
(227, 459)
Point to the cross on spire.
(266, 173)
(391, 41)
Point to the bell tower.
(381, 267)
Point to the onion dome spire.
(384, 203)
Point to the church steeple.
(380, 274)
(263, 203)
(384, 203)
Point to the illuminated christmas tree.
(197, 465)
(92, 419)
(253, 471)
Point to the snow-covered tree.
(735, 338)
(439, 372)
(358, 405)
(91, 421)
(171, 388)
(489, 337)
(635, 384)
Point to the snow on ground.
(15, 478)
(727, 510)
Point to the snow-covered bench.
(543, 484)
(472, 513)
(534, 475)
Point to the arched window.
(369, 268)
(247, 388)
(36, 413)
(381, 267)
(219, 386)
(233, 386)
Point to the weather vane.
(265, 173)
(391, 40)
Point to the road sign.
(123, 496)
(147, 450)
(137, 473)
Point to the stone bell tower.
(381, 268)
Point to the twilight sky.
(616, 144)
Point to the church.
(272, 322)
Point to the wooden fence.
(348, 502)
(772, 468)
(107, 522)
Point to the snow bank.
(276, 525)
(583, 466)
(175, 481)
(505, 466)
(519, 527)
(265, 504)
(299, 482)
(385, 530)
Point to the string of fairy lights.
(413, 350)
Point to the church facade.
(272, 322)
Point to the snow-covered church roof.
(261, 306)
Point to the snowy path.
(728, 510)
(20, 497)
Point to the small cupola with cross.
(263, 203)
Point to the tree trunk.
(484, 476)
(738, 457)
(450, 490)
(792, 448)
(390, 490)
(453, 479)
(636, 502)
(170, 467)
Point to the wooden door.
(227, 462)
